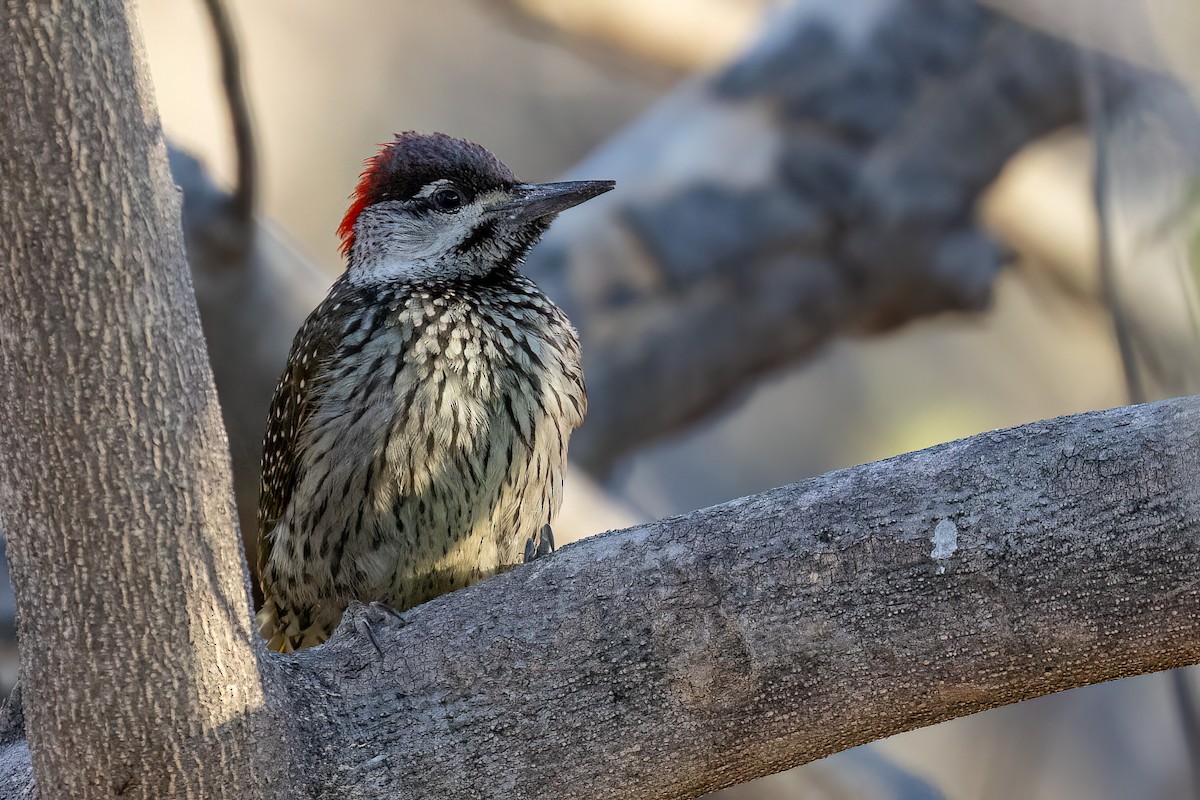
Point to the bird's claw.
(381, 612)
(540, 545)
(380, 607)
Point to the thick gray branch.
(701, 651)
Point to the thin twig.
(1097, 122)
(243, 198)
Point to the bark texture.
(138, 658)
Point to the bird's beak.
(531, 201)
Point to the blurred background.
(843, 230)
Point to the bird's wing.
(291, 407)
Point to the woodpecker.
(417, 438)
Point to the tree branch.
(679, 657)
(649, 35)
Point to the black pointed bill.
(531, 201)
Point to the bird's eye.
(447, 199)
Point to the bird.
(417, 439)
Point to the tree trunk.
(137, 653)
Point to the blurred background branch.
(823, 184)
(683, 36)
(242, 132)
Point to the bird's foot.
(375, 613)
(540, 545)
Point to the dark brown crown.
(414, 160)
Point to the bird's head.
(429, 207)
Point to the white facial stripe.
(390, 244)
